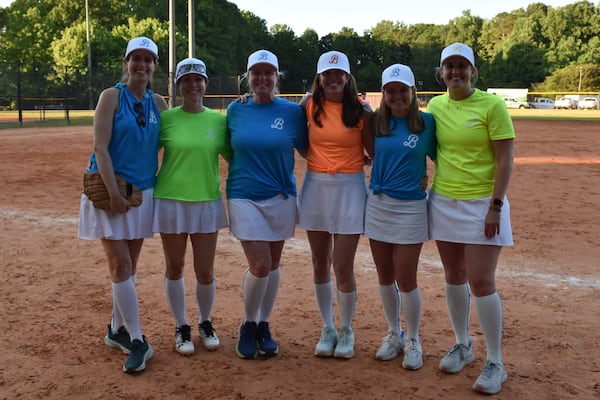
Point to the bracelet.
(495, 208)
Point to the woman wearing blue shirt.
(126, 125)
(396, 220)
(261, 193)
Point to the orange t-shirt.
(334, 147)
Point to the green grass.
(53, 118)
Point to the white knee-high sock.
(489, 313)
(458, 299)
(117, 318)
(324, 296)
(347, 303)
(411, 306)
(268, 302)
(175, 291)
(127, 302)
(391, 307)
(205, 297)
(254, 290)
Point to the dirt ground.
(55, 293)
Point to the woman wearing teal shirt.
(126, 124)
(469, 214)
(396, 211)
(188, 200)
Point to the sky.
(329, 16)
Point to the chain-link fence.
(50, 87)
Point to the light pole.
(580, 76)
(89, 54)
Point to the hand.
(492, 223)
(119, 205)
(424, 182)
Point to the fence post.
(19, 98)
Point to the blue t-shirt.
(263, 138)
(399, 162)
(133, 148)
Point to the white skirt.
(99, 224)
(462, 221)
(268, 220)
(396, 221)
(173, 216)
(333, 203)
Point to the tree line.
(539, 47)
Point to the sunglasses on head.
(185, 68)
(140, 118)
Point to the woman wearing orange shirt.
(332, 201)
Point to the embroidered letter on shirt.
(278, 123)
(412, 141)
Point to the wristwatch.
(496, 205)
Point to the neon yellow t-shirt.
(192, 143)
(465, 166)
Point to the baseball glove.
(95, 190)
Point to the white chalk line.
(427, 263)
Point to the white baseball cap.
(398, 73)
(262, 57)
(333, 60)
(458, 49)
(190, 66)
(142, 43)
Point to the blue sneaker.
(267, 346)
(120, 339)
(140, 353)
(246, 345)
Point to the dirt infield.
(55, 293)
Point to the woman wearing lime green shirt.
(188, 199)
(469, 214)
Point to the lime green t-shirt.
(465, 166)
(192, 143)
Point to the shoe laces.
(207, 329)
(185, 332)
(490, 369)
(344, 338)
(263, 331)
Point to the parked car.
(542, 102)
(590, 103)
(512, 102)
(565, 102)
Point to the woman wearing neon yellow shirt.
(469, 214)
(188, 199)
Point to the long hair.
(352, 110)
(383, 117)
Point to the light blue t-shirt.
(399, 162)
(133, 148)
(263, 138)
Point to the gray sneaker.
(345, 344)
(413, 354)
(491, 379)
(457, 358)
(391, 347)
(327, 342)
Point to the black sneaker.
(120, 339)
(266, 344)
(140, 353)
(246, 345)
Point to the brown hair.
(384, 114)
(352, 110)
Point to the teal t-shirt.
(192, 143)
(465, 167)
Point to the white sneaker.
(457, 358)
(491, 379)
(327, 342)
(345, 344)
(183, 340)
(413, 354)
(391, 347)
(208, 336)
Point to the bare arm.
(504, 150)
(160, 102)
